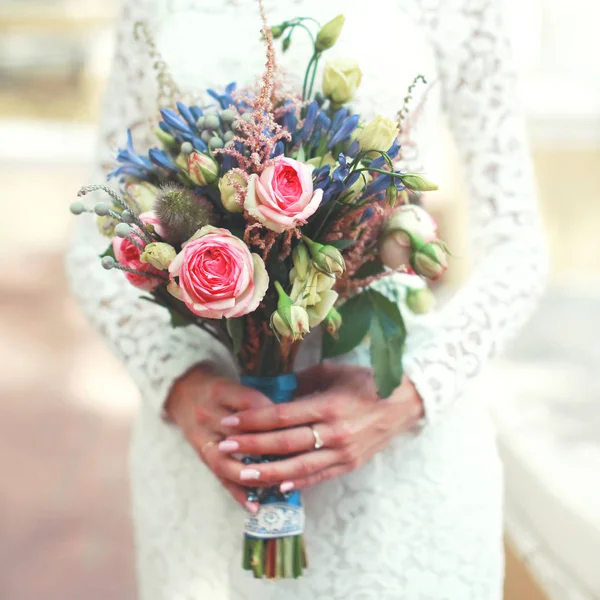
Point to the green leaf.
(388, 334)
(177, 319)
(109, 252)
(356, 319)
(235, 329)
(301, 154)
(341, 244)
(369, 269)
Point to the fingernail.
(228, 446)
(286, 486)
(252, 507)
(247, 474)
(231, 421)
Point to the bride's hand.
(197, 404)
(343, 408)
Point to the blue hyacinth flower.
(290, 121)
(339, 118)
(174, 121)
(369, 212)
(278, 150)
(186, 113)
(161, 159)
(345, 130)
(131, 163)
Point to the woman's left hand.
(341, 405)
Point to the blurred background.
(66, 405)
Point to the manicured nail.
(247, 474)
(252, 507)
(228, 446)
(230, 421)
(286, 486)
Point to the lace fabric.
(397, 527)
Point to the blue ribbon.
(278, 389)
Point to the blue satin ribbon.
(278, 389)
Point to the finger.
(304, 411)
(320, 477)
(233, 395)
(290, 469)
(238, 493)
(288, 441)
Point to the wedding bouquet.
(268, 213)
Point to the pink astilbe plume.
(259, 134)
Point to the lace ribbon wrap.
(279, 515)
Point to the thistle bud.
(301, 259)
(327, 259)
(228, 186)
(159, 255)
(333, 322)
(289, 320)
(420, 301)
(429, 261)
(418, 183)
(329, 33)
(181, 212)
(202, 169)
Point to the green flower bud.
(187, 148)
(327, 259)
(392, 195)
(302, 262)
(166, 139)
(143, 195)
(127, 216)
(205, 136)
(159, 255)
(229, 135)
(202, 169)
(285, 45)
(212, 122)
(329, 34)
(341, 80)
(122, 230)
(228, 192)
(215, 142)
(247, 117)
(429, 261)
(418, 183)
(77, 208)
(102, 209)
(333, 322)
(420, 301)
(200, 123)
(228, 116)
(277, 30)
(289, 320)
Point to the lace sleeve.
(506, 237)
(138, 331)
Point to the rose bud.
(289, 320)
(418, 183)
(159, 255)
(329, 33)
(413, 219)
(420, 301)
(341, 79)
(429, 261)
(318, 312)
(379, 134)
(307, 292)
(143, 194)
(327, 259)
(227, 187)
(333, 322)
(202, 169)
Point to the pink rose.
(218, 275)
(283, 197)
(128, 255)
(150, 218)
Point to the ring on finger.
(318, 440)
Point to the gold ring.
(318, 441)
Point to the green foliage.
(370, 269)
(109, 252)
(342, 244)
(235, 329)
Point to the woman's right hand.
(197, 404)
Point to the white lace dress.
(421, 521)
